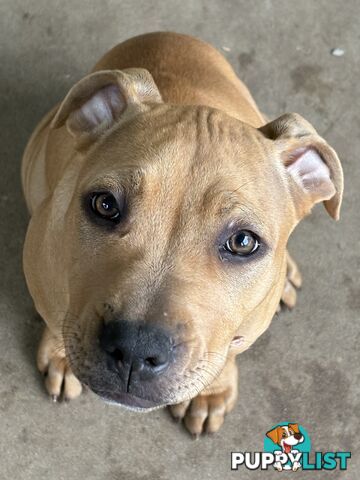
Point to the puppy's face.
(176, 235)
(286, 436)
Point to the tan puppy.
(161, 205)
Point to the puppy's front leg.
(206, 412)
(51, 361)
(293, 282)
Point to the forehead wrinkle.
(208, 125)
(221, 198)
(213, 125)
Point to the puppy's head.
(175, 233)
(286, 436)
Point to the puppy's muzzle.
(136, 352)
(140, 365)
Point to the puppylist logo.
(287, 448)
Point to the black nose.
(298, 436)
(136, 349)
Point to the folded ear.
(295, 427)
(312, 165)
(100, 99)
(274, 435)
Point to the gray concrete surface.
(282, 51)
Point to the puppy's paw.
(204, 413)
(52, 363)
(293, 281)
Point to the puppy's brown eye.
(242, 243)
(106, 206)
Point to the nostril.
(156, 361)
(152, 361)
(116, 359)
(117, 355)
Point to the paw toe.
(51, 361)
(72, 386)
(204, 413)
(289, 295)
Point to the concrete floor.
(281, 48)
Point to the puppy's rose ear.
(101, 99)
(312, 165)
(274, 435)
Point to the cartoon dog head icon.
(286, 436)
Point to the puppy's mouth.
(287, 448)
(132, 402)
(143, 372)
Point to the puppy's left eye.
(106, 206)
(242, 243)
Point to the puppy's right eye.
(242, 243)
(106, 206)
